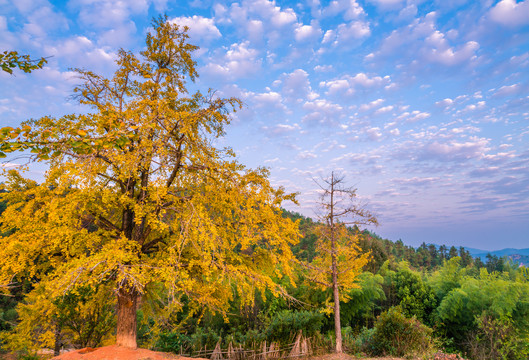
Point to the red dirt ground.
(118, 353)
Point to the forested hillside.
(454, 302)
(425, 257)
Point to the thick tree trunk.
(127, 305)
(58, 341)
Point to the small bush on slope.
(396, 335)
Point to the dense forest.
(432, 297)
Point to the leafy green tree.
(138, 196)
(434, 255)
(466, 258)
(478, 263)
(405, 288)
(370, 243)
(361, 309)
(494, 263)
(442, 251)
(492, 295)
(424, 257)
(447, 278)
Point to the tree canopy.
(137, 194)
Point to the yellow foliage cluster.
(349, 262)
(138, 195)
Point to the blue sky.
(422, 105)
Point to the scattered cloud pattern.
(424, 106)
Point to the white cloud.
(455, 151)
(280, 129)
(117, 36)
(363, 158)
(307, 32)
(322, 111)
(415, 181)
(477, 106)
(485, 171)
(371, 105)
(395, 132)
(374, 133)
(303, 155)
(108, 13)
(270, 12)
(352, 31)
(508, 90)
(384, 109)
(418, 116)
(421, 38)
(520, 60)
(349, 9)
(296, 85)
(268, 99)
(42, 20)
(388, 4)
(272, 161)
(339, 87)
(26, 6)
(445, 103)
(347, 34)
(328, 37)
(83, 52)
(438, 50)
(413, 116)
(220, 10)
(323, 68)
(366, 81)
(409, 12)
(255, 29)
(239, 61)
(200, 28)
(347, 85)
(511, 13)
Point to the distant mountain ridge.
(502, 252)
(520, 256)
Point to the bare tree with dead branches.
(339, 259)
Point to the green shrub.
(497, 339)
(362, 343)
(29, 357)
(286, 323)
(396, 335)
(204, 338)
(173, 342)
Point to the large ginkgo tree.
(137, 195)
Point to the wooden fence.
(300, 348)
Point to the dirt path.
(119, 353)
